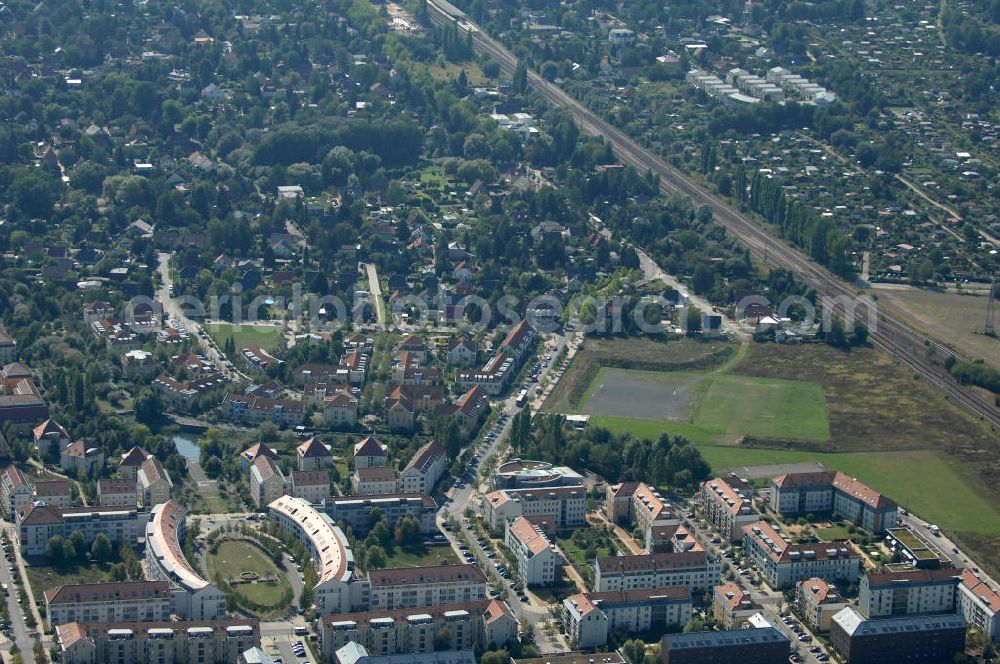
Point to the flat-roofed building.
(355, 511)
(783, 563)
(412, 631)
(141, 601)
(760, 645)
(916, 638)
(728, 505)
(695, 570)
(566, 504)
(539, 563)
(980, 604)
(117, 492)
(192, 597)
(337, 590)
(205, 642)
(589, 618)
(410, 587)
(909, 592)
(818, 602)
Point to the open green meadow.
(233, 558)
(266, 336)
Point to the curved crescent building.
(193, 597)
(337, 590)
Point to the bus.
(522, 398)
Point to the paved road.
(375, 288)
(174, 312)
(22, 637)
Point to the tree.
(55, 549)
(148, 408)
(520, 80)
(692, 320)
(634, 651)
(77, 545)
(408, 532)
(448, 436)
(495, 657)
(375, 557)
(442, 639)
(703, 280)
(100, 550)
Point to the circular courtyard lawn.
(250, 574)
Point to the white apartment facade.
(141, 601)
(728, 505)
(589, 618)
(567, 505)
(411, 587)
(783, 564)
(539, 563)
(695, 570)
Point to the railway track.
(909, 346)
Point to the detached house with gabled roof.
(131, 462)
(50, 437)
(81, 456)
(370, 453)
(313, 455)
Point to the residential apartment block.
(117, 492)
(355, 511)
(980, 604)
(370, 453)
(313, 455)
(566, 504)
(424, 470)
(337, 590)
(909, 592)
(36, 524)
(818, 602)
(412, 631)
(15, 492)
(728, 505)
(375, 481)
(833, 492)
(312, 486)
(205, 642)
(638, 503)
(539, 563)
(54, 493)
(783, 564)
(192, 597)
(695, 570)
(267, 482)
(410, 587)
(352, 653)
(589, 618)
(732, 605)
(154, 483)
(142, 601)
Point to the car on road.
(805, 638)
(822, 657)
(815, 649)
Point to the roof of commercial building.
(163, 539)
(735, 638)
(855, 624)
(334, 557)
(107, 592)
(424, 575)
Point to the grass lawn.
(234, 557)
(43, 577)
(431, 555)
(833, 533)
(767, 408)
(267, 337)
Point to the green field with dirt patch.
(266, 336)
(952, 318)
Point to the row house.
(410, 587)
(36, 524)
